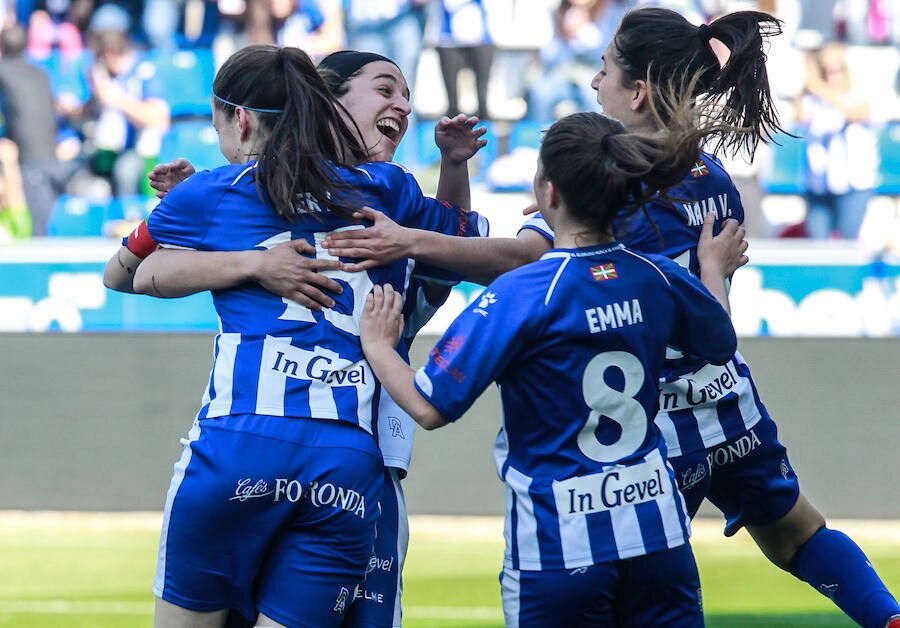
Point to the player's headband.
(345, 63)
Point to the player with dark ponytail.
(272, 507)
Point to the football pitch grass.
(95, 570)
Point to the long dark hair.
(307, 138)
(605, 173)
(661, 47)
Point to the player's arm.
(121, 267)
(719, 256)
(478, 259)
(458, 140)
(380, 328)
(286, 270)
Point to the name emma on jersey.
(614, 315)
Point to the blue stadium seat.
(68, 73)
(527, 133)
(130, 207)
(889, 171)
(785, 173)
(194, 140)
(75, 216)
(184, 79)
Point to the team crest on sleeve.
(699, 169)
(487, 299)
(602, 272)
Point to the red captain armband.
(139, 241)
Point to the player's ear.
(639, 95)
(553, 196)
(245, 123)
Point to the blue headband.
(234, 104)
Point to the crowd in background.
(87, 107)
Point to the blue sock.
(836, 567)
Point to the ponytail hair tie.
(703, 33)
(604, 141)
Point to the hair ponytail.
(306, 137)
(661, 47)
(604, 173)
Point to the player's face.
(612, 95)
(378, 101)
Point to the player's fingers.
(353, 252)
(479, 131)
(531, 209)
(361, 266)
(378, 298)
(317, 297)
(709, 220)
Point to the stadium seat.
(194, 140)
(785, 172)
(76, 216)
(68, 74)
(889, 171)
(184, 79)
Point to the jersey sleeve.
(475, 349)
(182, 219)
(411, 208)
(537, 223)
(703, 327)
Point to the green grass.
(95, 574)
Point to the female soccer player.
(273, 504)
(375, 99)
(652, 51)
(596, 529)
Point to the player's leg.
(378, 598)
(830, 562)
(167, 615)
(755, 487)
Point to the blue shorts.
(748, 478)
(657, 589)
(377, 600)
(272, 515)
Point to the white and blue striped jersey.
(701, 405)
(272, 355)
(576, 342)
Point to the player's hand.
(382, 243)
(286, 270)
(164, 177)
(381, 324)
(531, 209)
(725, 252)
(458, 139)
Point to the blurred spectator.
(582, 30)
(123, 121)
(50, 28)
(313, 25)
(15, 219)
(842, 148)
(160, 20)
(30, 124)
(519, 30)
(463, 39)
(393, 28)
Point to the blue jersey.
(701, 405)
(272, 355)
(576, 343)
